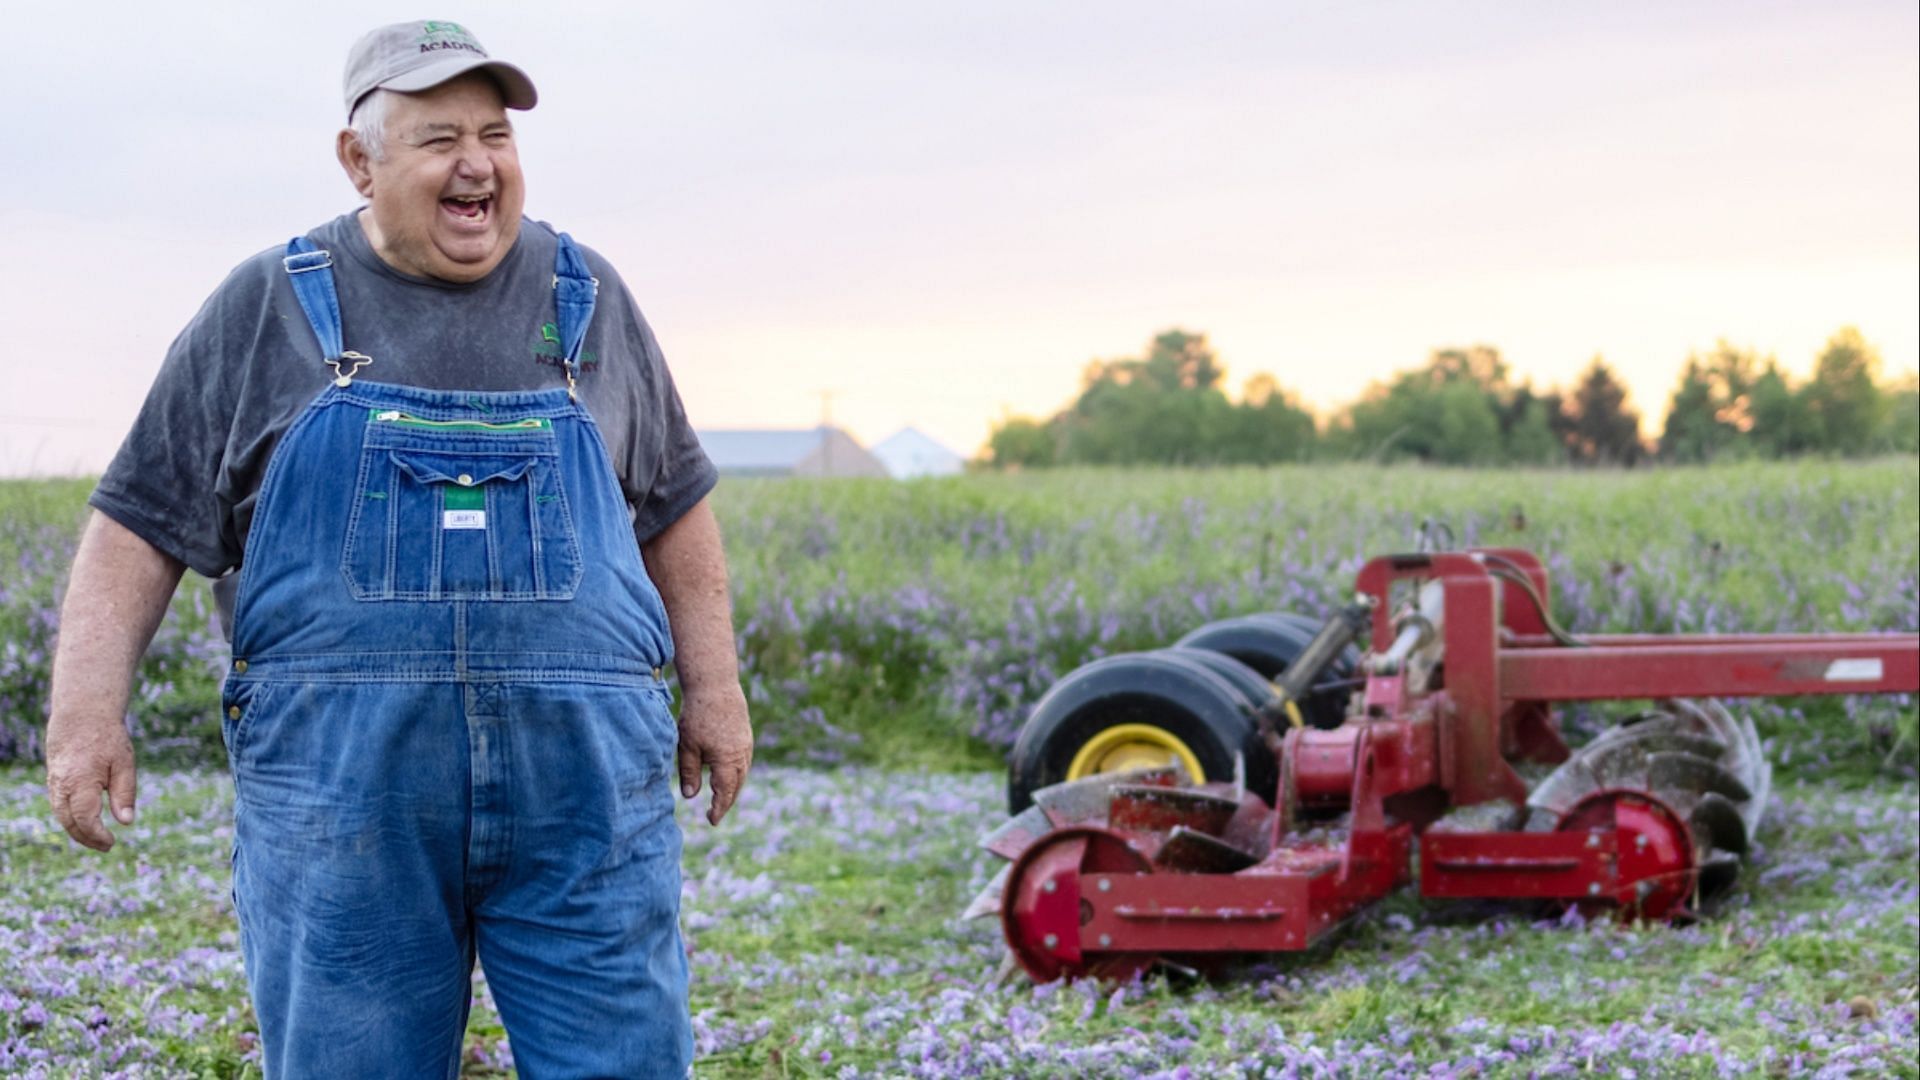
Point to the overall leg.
(580, 939)
(350, 833)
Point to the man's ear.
(354, 159)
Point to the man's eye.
(442, 143)
(498, 138)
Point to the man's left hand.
(715, 733)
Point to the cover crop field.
(893, 637)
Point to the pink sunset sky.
(939, 214)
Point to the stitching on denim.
(269, 487)
(570, 553)
(348, 548)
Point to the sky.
(907, 214)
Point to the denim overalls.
(448, 731)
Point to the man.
(440, 444)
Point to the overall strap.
(573, 295)
(310, 271)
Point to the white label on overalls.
(1866, 670)
(463, 519)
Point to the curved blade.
(1718, 873)
(1192, 852)
(1084, 801)
(1659, 736)
(1559, 792)
(1717, 821)
(1619, 764)
(1017, 833)
(1680, 773)
(988, 901)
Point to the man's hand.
(687, 565)
(715, 733)
(115, 597)
(83, 757)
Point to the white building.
(821, 451)
(908, 453)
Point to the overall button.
(233, 712)
(239, 667)
(464, 480)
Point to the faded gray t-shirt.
(187, 476)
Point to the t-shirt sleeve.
(667, 472)
(164, 484)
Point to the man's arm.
(116, 596)
(690, 570)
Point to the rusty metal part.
(1191, 852)
(1147, 808)
(1078, 802)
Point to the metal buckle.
(325, 263)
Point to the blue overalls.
(448, 732)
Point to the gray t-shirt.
(186, 478)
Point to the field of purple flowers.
(821, 925)
(914, 624)
(891, 628)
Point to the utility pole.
(826, 432)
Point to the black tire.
(1176, 693)
(1349, 661)
(1249, 682)
(1269, 643)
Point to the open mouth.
(470, 208)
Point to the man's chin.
(466, 260)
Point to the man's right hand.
(116, 595)
(85, 756)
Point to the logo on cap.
(435, 36)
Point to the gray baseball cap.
(422, 54)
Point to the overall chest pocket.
(460, 515)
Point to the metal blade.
(1560, 792)
(1718, 873)
(1084, 801)
(1717, 821)
(1618, 765)
(988, 901)
(1685, 773)
(1145, 808)
(1191, 852)
(1018, 833)
(1660, 736)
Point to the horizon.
(938, 219)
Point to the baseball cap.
(422, 54)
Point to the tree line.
(1464, 407)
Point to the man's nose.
(474, 164)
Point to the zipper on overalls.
(395, 416)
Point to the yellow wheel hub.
(1133, 746)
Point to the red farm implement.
(1249, 789)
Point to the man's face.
(446, 201)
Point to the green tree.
(1900, 431)
(1164, 409)
(1021, 443)
(1843, 403)
(1603, 429)
(1781, 425)
(1531, 439)
(1267, 426)
(1709, 415)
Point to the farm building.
(909, 452)
(819, 451)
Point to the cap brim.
(516, 90)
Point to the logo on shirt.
(550, 351)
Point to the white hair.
(368, 122)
